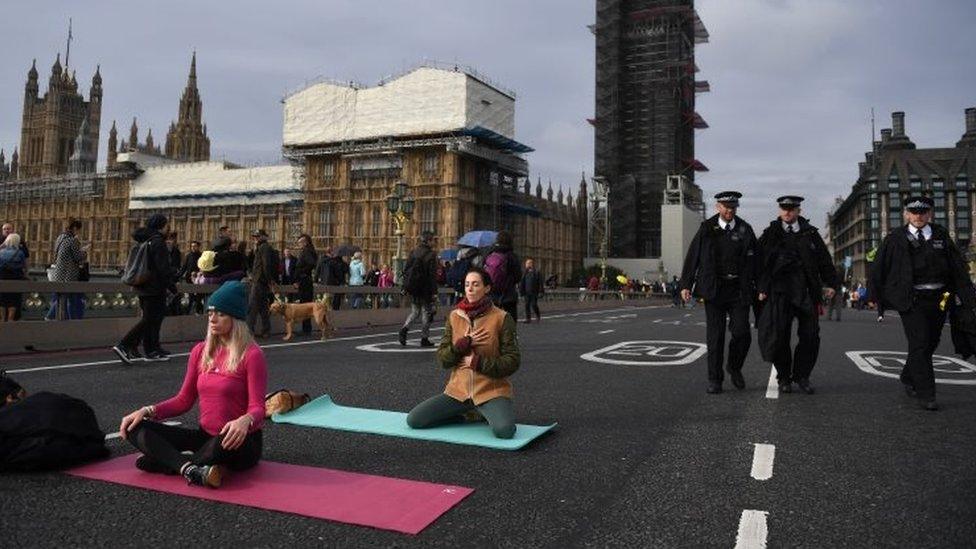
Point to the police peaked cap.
(730, 198)
(922, 203)
(789, 201)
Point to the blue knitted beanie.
(230, 299)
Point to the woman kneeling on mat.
(480, 348)
(228, 374)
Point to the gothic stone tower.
(51, 125)
(187, 137)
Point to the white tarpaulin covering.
(201, 184)
(423, 101)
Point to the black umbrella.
(347, 250)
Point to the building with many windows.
(894, 170)
(448, 134)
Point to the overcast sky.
(793, 82)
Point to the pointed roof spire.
(56, 68)
(32, 73)
(538, 187)
(97, 79)
(193, 67)
(549, 190)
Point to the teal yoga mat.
(323, 412)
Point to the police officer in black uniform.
(720, 268)
(914, 268)
(794, 270)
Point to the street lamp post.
(400, 205)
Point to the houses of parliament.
(335, 191)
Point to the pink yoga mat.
(406, 506)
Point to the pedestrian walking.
(264, 273)
(720, 268)
(7, 230)
(480, 349)
(69, 256)
(917, 272)
(357, 277)
(505, 270)
(304, 271)
(531, 288)
(13, 266)
(385, 280)
(455, 275)
(795, 272)
(152, 296)
(228, 375)
(286, 270)
(674, 288)
(189, 272)
(420, 284)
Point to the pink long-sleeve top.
(223, 396)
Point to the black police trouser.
(729, 306)
(532, 305)
(923, 328)
(306, 294)
(798, 364)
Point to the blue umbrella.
(449, 254)
(478, 239)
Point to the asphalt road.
(642, 456)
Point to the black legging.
(164, 444)
(147, 328)
(532, 305)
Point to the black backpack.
(49, 431)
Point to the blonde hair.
(240, 340)
(12, 241)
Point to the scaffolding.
(645, 111)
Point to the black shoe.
(426, 343)
(403, 337)
(738, 380)
(125, 355)
(163, 352)
(149, 465)
(786, 387)
(203, 475)
(910, 390)
(805, 386)
(930, 405)
(156, 356)
(714, 388)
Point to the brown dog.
(298, 312)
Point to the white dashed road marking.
(752, 530)
(762, 461)
(606, 331)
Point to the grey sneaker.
(203, 475)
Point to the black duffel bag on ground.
(49, 431)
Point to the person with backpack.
(420, 283)
(530, 288)
(228, 375)
(13, 266)
(505, 270)
(151, 283)
(264, 273)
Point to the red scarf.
(474, 310)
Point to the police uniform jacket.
(778, 260)
(700, 271)
(891, 281)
